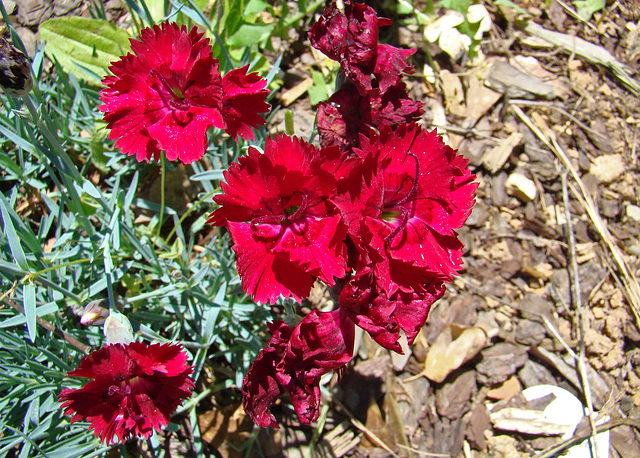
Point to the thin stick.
(556, 450)
(576, 299)
(553, 106)
(51, 328)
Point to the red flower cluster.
(373, 95)
(372, 214)
(169, 92)
(134, 391)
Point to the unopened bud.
(117, 329)
(95, 313)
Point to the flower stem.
(163, 172)
(187, 213)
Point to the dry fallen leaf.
(453, 347)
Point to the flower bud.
(95, 314)
(117, 329)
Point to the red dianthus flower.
(412, 193)
(134, 391)
(169, 92)
(383, 316)
(286, 234)
(293, 361)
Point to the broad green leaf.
(249, 34)
(319, 92)
(156, 8)
(97, 144)
(255, 7)
(83, 45)
(461, 6)
(586, 8)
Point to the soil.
(548, 294)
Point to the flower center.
(122, 390)
(397, 211)
(290, 214)
(171, 95)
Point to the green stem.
(187, 213)
(31, 275)
(163, 172)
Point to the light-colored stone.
(607, 168)
(633, 212)
(521, 187)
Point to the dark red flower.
(169, 92)
(293, 362)
(286, 234)
(134, 391)
(413, 191)
(347, 114)
(384, 316)
(351, 38)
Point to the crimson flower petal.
(391, 63)
(134, 391)
(382, 316)
(260, 388)
(293, 361)
(351, 38)
(244, 97)
(347, 114)
(265, 275)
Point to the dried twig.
(86, 349)
(576, 298)
(587, 51)
(579, 436)
(560, 110)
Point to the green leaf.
(318, 92)
(249, 34)
(29, 304)
(255, 7)
(84, 46)
(586, 8)
(97, 144)
(156, 8)
(14, 241)
(510, 4)
(461, 6)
